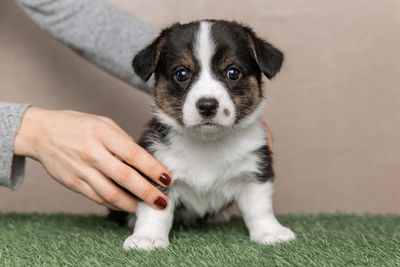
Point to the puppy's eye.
(182, 75)
(233, 73)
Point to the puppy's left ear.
(146, 61)
(268, 57)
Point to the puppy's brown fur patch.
(252, 47)
(246, 104)
(160, 44)
(163, 99)
(188, 60)
(226, 61)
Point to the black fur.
(120, 217)
(265, 164)
(269, 58)
(145, 63)
(156, 131)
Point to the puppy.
(206, 129)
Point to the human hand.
(78, 149)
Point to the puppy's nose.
(207, 107)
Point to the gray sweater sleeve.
(96, 30)
(11, 166)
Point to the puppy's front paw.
(144, 243)
(273, 236)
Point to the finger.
(270, 137)
(130, 179)
(138, 157)
(110, 192)
(80, 186)
(87, 191)
(83, 188)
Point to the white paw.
(270, 237)
(144, 243)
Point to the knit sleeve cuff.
(11, 166)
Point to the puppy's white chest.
(207, 174)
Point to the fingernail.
(165, 179)
(160, 203)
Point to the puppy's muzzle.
(207, 107)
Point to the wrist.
(26, 139)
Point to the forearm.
(11, 166)
(96, 30)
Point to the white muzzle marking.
(207, 86)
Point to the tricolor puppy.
(206, 129)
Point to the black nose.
(207, 107)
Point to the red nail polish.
(160, 203)
(165, 179)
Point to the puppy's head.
(207, 73)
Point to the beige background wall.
(334, 108)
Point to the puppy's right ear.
(146, 61)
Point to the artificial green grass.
(322, 240)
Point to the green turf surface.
(335, 240)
